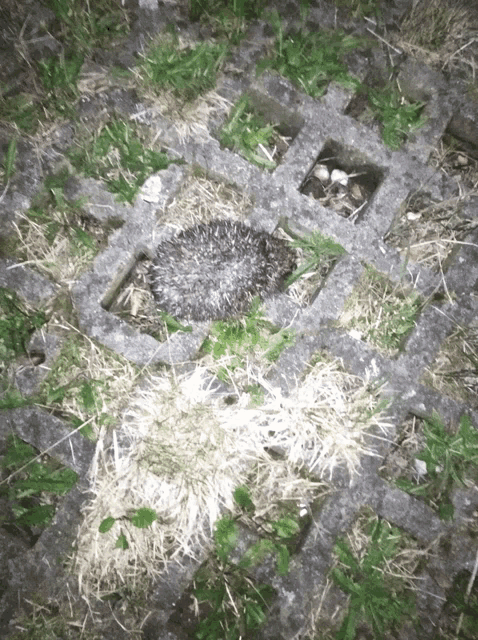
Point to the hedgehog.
(213, 271)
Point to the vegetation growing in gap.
(80, 26)
(237, 604)
(451, 459)
(17, 323)
(311, 60)
(380, 594)
(228, 18)
(55, 235)
(118, 155)
(381, 312)
(188, 72)
(249, 134)
(31, 491)
(235, 340)
(399, 118)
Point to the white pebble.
(339, 176)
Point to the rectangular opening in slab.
(34, 487)
(385, 109)
(454, 372)
(130, 299)
(421, 464)
(429, 231)
(260, 129)
(317, 255)
(381, 312)
(343, 180)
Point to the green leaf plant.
(236, 604)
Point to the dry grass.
(64, 254)
(182, 451)
(202, 199)
(459, 161)
(443, 33)
(454, 372)
(380, 312)
(428, 232)
(88, 381)
(328, 422)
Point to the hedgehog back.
(212, 271)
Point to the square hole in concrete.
(454, 372)
(375, 552)
(381, 312)
(342, 179)
(458, 159)
(316, 257)
(385, 110)
(431, 458)
(429, 232)
(260, 129)
(200, 199)
(33, 488)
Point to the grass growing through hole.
(81, 26)
(84, 25)
(228, 18)
(361, 8)
(454, 372)
(451, 459)
(380, 312)
(237, 604)
(59, 76)
(245, 132)
(118, 156)
(17, 323)
(370, 573)
(31, 492)
(55, 235)
(188, 72)
(233, 342)
(311, 60)
(461, 609)
(399, 118)
(87, 382)
(317, 255)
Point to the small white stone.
(339, 176)
(356, 334)
(420, 467)
(413, 216)
(321, 172)
(151, 189)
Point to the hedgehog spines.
(212, 271)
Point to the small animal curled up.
(213, 271)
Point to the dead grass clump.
(176, 456)
(202, 199)
(60, 244)
(428, 231)
(442, 32)
(88, 381)
(380, 312)
(182, 451)
(459, 161)
(455, 370)
(327, 422)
